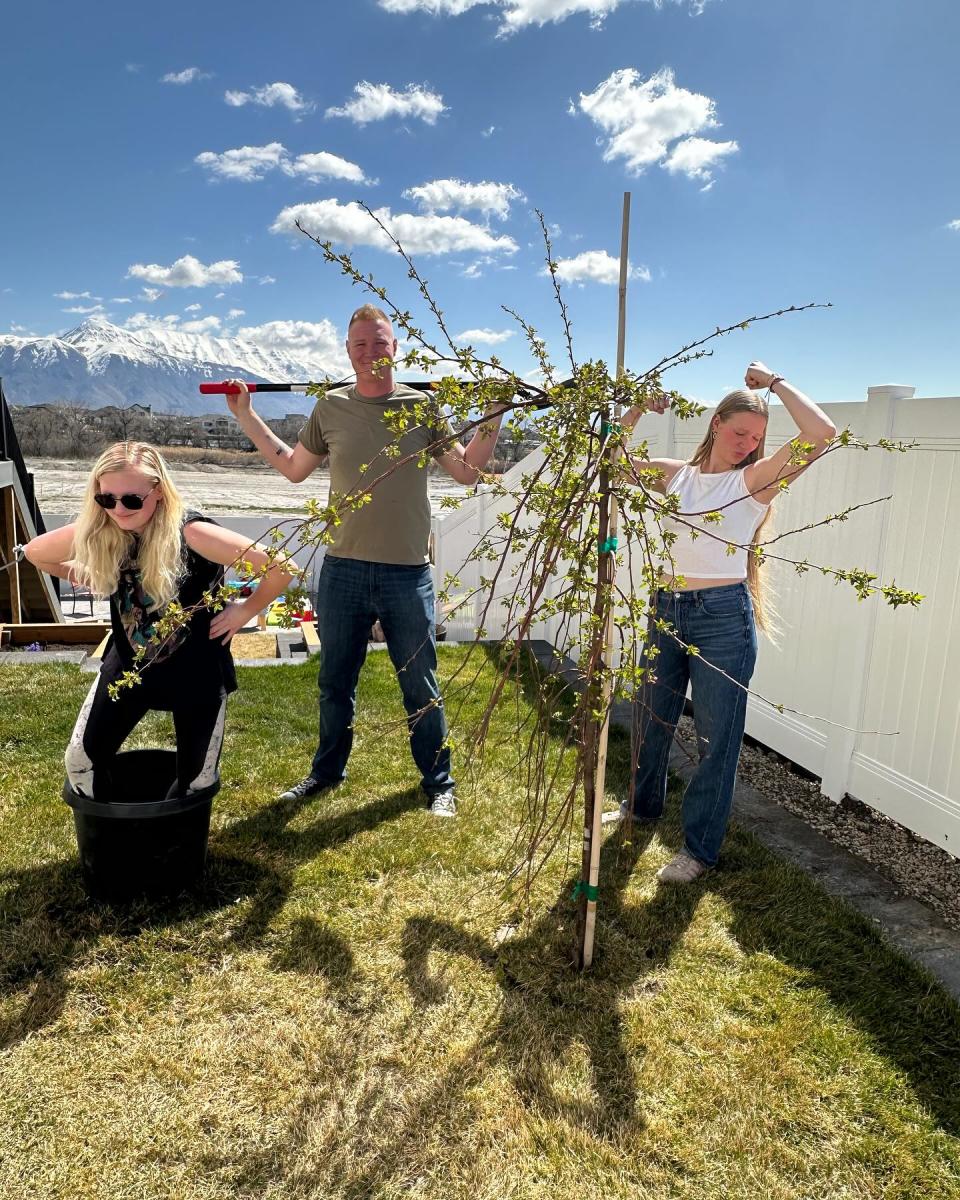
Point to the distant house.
(112, 414)
(220, 431)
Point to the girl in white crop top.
(711, 599)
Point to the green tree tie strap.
(608, 546)
(608, 427)
(582, 888)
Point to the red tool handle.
(224, 389)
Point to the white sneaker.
(444, 804)
(682, 868)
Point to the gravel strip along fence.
(915, 866)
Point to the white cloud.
(517, 14)
(323, 165)
(235, 312)
(597, 266)
(187, 75)
(133, 68)
(475, 269)
(442, 195)
(489, 131)
(75, 296)
(204, 325)
(269, 96)
(694, 156)
(351, 225)
(142, 320)
(641, 119)
(451, 8)
(246, 163)
(954, 224)
(250, 163)
(264, 279)
(172, 322)
(483, 337)
(193, 308)
(85, 310)
(376, 101)
(318, 342)
(120, 300)
(187, 272)
(151, 295)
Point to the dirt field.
(249, 491)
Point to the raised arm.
(295, 464)
(814, 428)
(223, 546)
(662, 470)
(465, 464)
(51, 552)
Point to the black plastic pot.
(138, 843)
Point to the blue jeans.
(719, 622)
(351, 595)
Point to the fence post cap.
(895, 391)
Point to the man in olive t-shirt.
(377, 567)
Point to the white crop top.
(706, 557)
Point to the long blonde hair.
(743, 400)
(101, 547)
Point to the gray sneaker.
(444, 804)
(303, 790)
(682, 868)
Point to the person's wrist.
(774, 380)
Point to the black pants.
(104, 724)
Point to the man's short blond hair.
(369, 312)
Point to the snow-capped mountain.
(99, 363)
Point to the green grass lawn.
(333, 1015)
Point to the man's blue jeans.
(719, 622)
(351, 595)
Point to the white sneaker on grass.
(682, 868)
(444, 804)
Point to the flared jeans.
(719, 623)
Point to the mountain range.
(99, 363)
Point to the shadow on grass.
(48, 923)
(909, 1018)
(278, 850)
(779, 910)
(548, 1012)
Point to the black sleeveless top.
(188, 665)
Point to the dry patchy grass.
(331, 1016)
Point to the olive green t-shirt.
(394, 525)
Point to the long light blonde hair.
(101, 547)
(740, 401)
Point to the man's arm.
(295, 464)
(466, 464)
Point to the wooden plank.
(73, 633)
(310, 639)
(101, 649)
(9, 540)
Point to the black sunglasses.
(131, 500)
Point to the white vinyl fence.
(871, 694)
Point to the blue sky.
(777, 152)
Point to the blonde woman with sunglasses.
(134, 543)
